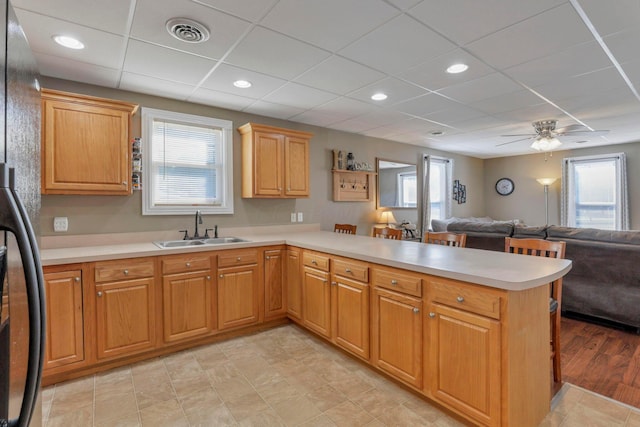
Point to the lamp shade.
(546, 181)
(387, 217)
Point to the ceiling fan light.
(545, 143)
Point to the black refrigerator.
(22, 320)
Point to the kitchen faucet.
(198, 221)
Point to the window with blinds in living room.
(188, 164)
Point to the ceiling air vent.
(187, 30)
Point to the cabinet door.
(397, 335)
(316, 297)
(187, 305)
(125, 317)
(464, 362)
(85, 147)
(296, 161)
(65, 337)
(274, 284)
(237, 296)
(294, 284)
(268, 157)
(350, 307)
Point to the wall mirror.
(397, 185)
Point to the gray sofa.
(604, 282)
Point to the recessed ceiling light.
(242, 84)
(70, 42)
(379, 96)
(457, 68)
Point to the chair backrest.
(543, 248)
(446, 238)
(388, 233)
(345, 228)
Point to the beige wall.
(527, 200)
(113, 214)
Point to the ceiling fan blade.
(571, 128)
(583, 132)
(511, 142)
(530, 135)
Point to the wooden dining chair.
(549, 249)
(388, 233)
(445, 238)
(345, 228)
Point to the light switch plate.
(60, 223)
(299, 216)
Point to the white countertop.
(489, 268)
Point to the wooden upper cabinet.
(85, 144)
(275, 162)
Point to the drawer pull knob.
(208, 277)
(221, 276)
(188, 264)
(416, 310)
(77, 279)
(460, 299)
(99, 293)
(268, 257)
(334, 283)
(432, 314)
(126, 272)
(313, 261)
(347, 270)
(239, 259)
(394, 282)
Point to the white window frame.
(568, 214)
(226, 186)
(446, 186)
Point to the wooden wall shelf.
(353, 186)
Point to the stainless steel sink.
(197, 242)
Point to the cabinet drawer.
(465, 297)
(185, 264)
(351, 269)
(232, 259)
(126, 269)
(315, 260)
(398, 281)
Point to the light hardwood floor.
(281, 377)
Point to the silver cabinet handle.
(347, 270)
(432, 314)
(334, 283)
(313, 261)
(188, 264)
(99, 293)
(460, 299)
(126, 272)
(416, 310)
(77, 279)
(394, 282)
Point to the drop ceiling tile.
(432, 73)
(479, 123)
(111, 16)
(607, 104)
(41, 29)
(506, 102)
(355, 125)
(573, 61)
(271, 53)
(273, 110)
(524, 116)
(455, 115)
(250, 10)
(300, 96)
(426, 104)
(224, 75)
(149, 25)
(318, 118)
(397, 45)
(609, 17)
(624, 45)
(404, 4)
(339, 75)
(166, 64)
(62, 68)
(329, 24)
(384, 118)
(538, 36)
(220, 99)
(632, 70)
(596, 83)
(397, 91)
(466, 20)
(346, 108)
(153, 86)
(485, 87)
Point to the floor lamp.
(546, 182)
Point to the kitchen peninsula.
(468, 329)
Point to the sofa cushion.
(498, 228)
(523, 232)
(594, 234)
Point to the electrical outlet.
(293, 217)
(299, 216)
(60, 223)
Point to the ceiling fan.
(546, 136)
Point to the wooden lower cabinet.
(275, 294)
(64, 343)
(397, 335)
(350, 315)
(464, 362)
(238, 289)
(125, 307)
(294, 284)
(188, 305)
(316, 301)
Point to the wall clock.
(504, 186)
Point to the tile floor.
(281, 377)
